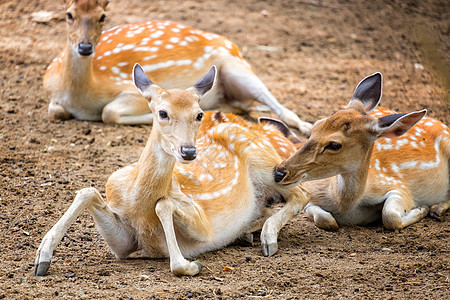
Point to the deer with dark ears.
(365, 162)
(197, 186)
(90, 79)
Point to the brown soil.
(320, 51)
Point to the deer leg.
(438, 211)
(165, 209)
(398, 211)
(118, 236)
(295, 201)
(129, 109)
(57, 112)
(242, 83)
(246, 239)
(322, 218)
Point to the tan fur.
(169, 207)
(99, 87)
(378, 173)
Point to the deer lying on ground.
(181, 210)
(90, 79)
(367, 164)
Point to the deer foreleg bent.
(438, 211)
(128, 108)
(178, 264)
(322, 218)
(295, 201)
(398, 212)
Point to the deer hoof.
(245, 240)
(269, 249)
(199, 265)
(42, 268)
(437, 212)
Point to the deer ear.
(368, 92)
(392, 126)
(142, 82)
(205, 83)
(103, 3)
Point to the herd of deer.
(205, 179)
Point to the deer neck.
(348, 188)
(154, 170)
(76, 71)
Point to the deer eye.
(163, 115)
(199, 117)
(333, 146)
(102, 19)
(69, 17)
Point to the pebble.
(190, 295)
(386, 249)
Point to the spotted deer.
(187, 195)
(369, 162)
(90, 79)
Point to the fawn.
(90, 79)
(367, 164)
(185, 195)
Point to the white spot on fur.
(432, 164)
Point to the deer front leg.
(397, 212)
(118, 236)
(438, 211)
(57, 112)
(178, 264)
(322, 218)
(128, 108)
(296, 199)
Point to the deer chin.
(295, 181)
(183, 161)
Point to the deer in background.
(186, 196)
(366, 164)
(90, 79)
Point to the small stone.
(86, 131)
(71, 276)
(190, 295)
(248, 258)
(386, 249)
(418, 66)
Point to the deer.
(90, 80)
(365, 163)
(202, 181)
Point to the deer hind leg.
(165, 209)
(118, 236)
(398, 211)
(241, 83)
(127, 108)
(438, 211)
(296, 199)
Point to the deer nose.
(278, 174)
(85, 49)
(188, 152)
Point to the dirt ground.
(311, 55)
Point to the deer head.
(177, 113)
(343, 142)
(85, 20)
